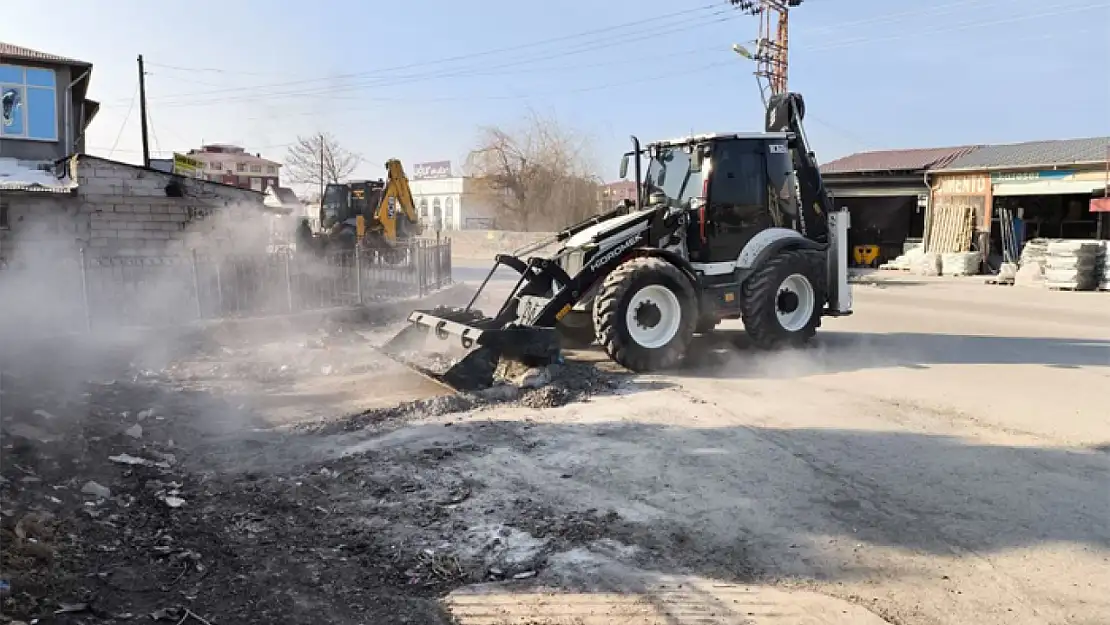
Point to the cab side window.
(738, 191)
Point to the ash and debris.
(548, 387)
(130, 495)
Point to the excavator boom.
(397, 212)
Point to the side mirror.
(624, 167)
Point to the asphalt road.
(940, 457)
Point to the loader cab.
(733, 185)
(344, 203)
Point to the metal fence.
(172, 290)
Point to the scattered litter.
(44, 414)
(135, 431)
(326, 370)
(97, 490)
(174, 502)
(32, 433)
(164, 457)
(524, 575)
(145, 414)
(71, 608)
(134, 461)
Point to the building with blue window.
(44, 109)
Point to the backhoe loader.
(374, 215)
(723, 226)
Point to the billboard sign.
(186, 166)
(431, 171)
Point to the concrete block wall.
(42, 221)
(128, 212)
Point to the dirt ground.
(940, 457)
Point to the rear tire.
(783, 300)
(645, 313)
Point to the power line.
(153, 133)
(184, 99)
(607, 31)
(1064, 9)
(600, 87)
(124, 124)
(204, 97)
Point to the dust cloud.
(136, 317)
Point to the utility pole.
(142, 113)
(773, 45)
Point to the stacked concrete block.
(961, 263)
(1034, 253)
(1104, 267)
(1073, 265)
(928, 264)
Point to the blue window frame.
(30, 103)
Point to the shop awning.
(1046, 187)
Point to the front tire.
(645, 313)
(783, 300)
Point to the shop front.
(959, 213)
(1053, 203)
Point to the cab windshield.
(675, 175)
(336, 197)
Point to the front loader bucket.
(478, 350)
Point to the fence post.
(358, 273)
(219, 289)
(450, 272)
(421, 268)
(288, 284)
(196, 285)
(85, 292)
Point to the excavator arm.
(396, 213)
(785, 112)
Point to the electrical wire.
(204, 98)
(607, 30)
(334, 92)
(1063, 9)
(153, 134)
(125, 118)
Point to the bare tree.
(319, 159)
(539, 176)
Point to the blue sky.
(411, 80)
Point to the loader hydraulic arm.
(785, 112)
(397, 212)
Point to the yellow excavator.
(373, 215)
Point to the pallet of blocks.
(1072, 265)
(1104, 267)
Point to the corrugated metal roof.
(19, 53)
(896, 160)
(1036, 153)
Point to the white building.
(448, 202)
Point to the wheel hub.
(653, 316)
(795, 303)
(648, 315)
(787, 301)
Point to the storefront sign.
(974, 184)
(431, 171)
(1030, 176)
(188, 167)
(1100, 205)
